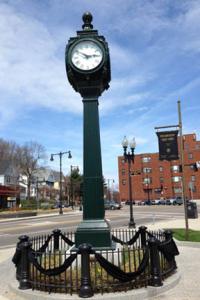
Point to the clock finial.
(87, 19)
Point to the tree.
(29, 156)
(9, 151)
(76, 179)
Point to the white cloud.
(31, 74)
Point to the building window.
(147, 180)
(146, 159)
(175, 169)
(193, 178)
(123, 172)
(161, 179)
(161, 169)
(190, 156)
(8, 179)
(122, 161)
(147, 170)
(197, 146)
(177, 190)
(186, 146)
(176, 179)
(194, 189)
(124, 181)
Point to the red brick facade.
(155, 179)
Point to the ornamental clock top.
(87, 19)
(87, 60)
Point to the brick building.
(155, 179)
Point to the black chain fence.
(51, 263)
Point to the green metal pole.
(94, 229)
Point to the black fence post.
(142, 230)
(24, 281)
(17, 256)
(86, 288)
(56, 235)
(155, 271)
(169, 236)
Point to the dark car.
(110, 204)
(147, 202)
(179, 201)
(128, 202)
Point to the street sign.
(168, 145)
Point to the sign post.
(168, 150)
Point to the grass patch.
(193, 235)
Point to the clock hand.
(84, 54)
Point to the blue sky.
(155, 54)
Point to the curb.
(137, 294)
(14, 219)
(187, 244)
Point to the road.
(11, 230)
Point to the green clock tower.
(88, 70)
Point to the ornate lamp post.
(88, 71)
(129, 157)
(60, 154)
(71, 185)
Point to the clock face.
(86, 55)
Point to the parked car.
(128, 202)
(141, 202)
(157, 201)
(162, 201)
(147, 202)
(170, 201)
(110, 204)
(178, 201)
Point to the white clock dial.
(86, 55)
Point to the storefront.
(8, 196)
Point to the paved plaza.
(186, 288)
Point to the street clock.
(87, 60)
(88, 70)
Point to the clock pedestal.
(94, 229)
(91, 83)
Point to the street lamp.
(60, 154)
(129, 157)
(71, 185)
(109, 191)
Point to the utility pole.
(183, 170)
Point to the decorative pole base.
(94, 232)
(131, 224)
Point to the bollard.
(155, 272)
(17, 256)
(24, 282)
(86, 288)
(22, 239)
(169, 236)
(142, 230)
(56, 235)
